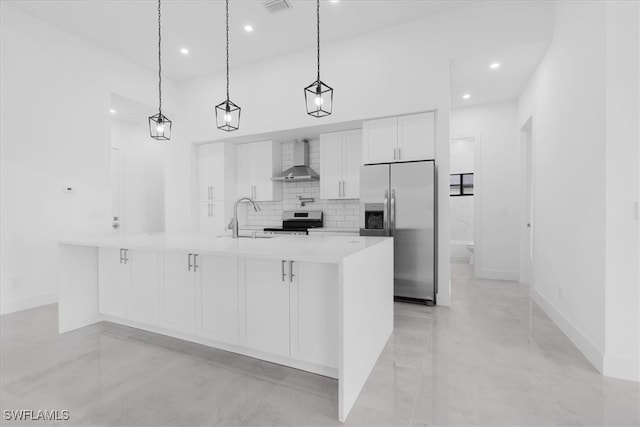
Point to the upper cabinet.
(256, 163)
(399, 139)
(340, 160)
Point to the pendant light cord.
(227, 13)
(159, 59)
(318, 27)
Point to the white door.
(218, 301)
(113, 283)
(144, 300)
(117, 190)
(245, 170)
(526, 245)
(416, 137)
(351, 163)
(264, 308)
(380, 140)
(314, 313)
(178, 304)
(331, 165)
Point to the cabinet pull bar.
(189, 262)
(400, 153)
(126, 255)
(283, 273)
(394, 154)
(291, 271)
(121, 257)
(195, 263)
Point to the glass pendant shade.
(319, 99)
(227, 116)
(160, 127)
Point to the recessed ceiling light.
(333, 1)
(248, 28)
(112, 111)
(494, 66)
(184, 51)
(466, 96)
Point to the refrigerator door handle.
(385, 212)
(393, 211)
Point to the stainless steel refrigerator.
(398, 200)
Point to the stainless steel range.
(297, 222)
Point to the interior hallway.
(494, 358)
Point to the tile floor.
(494, 358)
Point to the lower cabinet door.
(113, 283)
(314, 313)
(179, 292)
(218, 299)
(144, 299)
(264, 307)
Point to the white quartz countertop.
(318, 248)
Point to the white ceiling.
(129, 28)
(472, 75)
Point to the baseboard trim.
(625, 368)
(578, 338)
(486, 273)
(25, 303)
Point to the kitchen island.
(323, 304)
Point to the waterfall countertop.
(324, 249)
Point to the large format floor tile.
(493, 358)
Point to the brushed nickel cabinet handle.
(189, 262)
(283, 273)
(400, 153)
(195, 263)
(291, 271)
(121, 256)
(394, 154)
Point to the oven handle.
(385, 212)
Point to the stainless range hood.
(300, 170)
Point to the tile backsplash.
(337, 213)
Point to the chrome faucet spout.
(234, 220)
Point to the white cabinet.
(113, 282)
(264, 311)
(217, 300)
(380, 140)
(216, 185)
(314, 313)
(340, 161)
(181, 273)
(256, 163)
(399, 139)
(128, 284)
(416, 137)
(144, 296)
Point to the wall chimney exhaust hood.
(300, 170)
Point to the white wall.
(143, 176)
(583, 99)
(494, 128)
(54, 131)
(399, 70)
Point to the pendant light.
(318, 96)
(160, 125)
(227, 113)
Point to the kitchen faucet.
(234, 220)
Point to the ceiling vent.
(277, 5)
